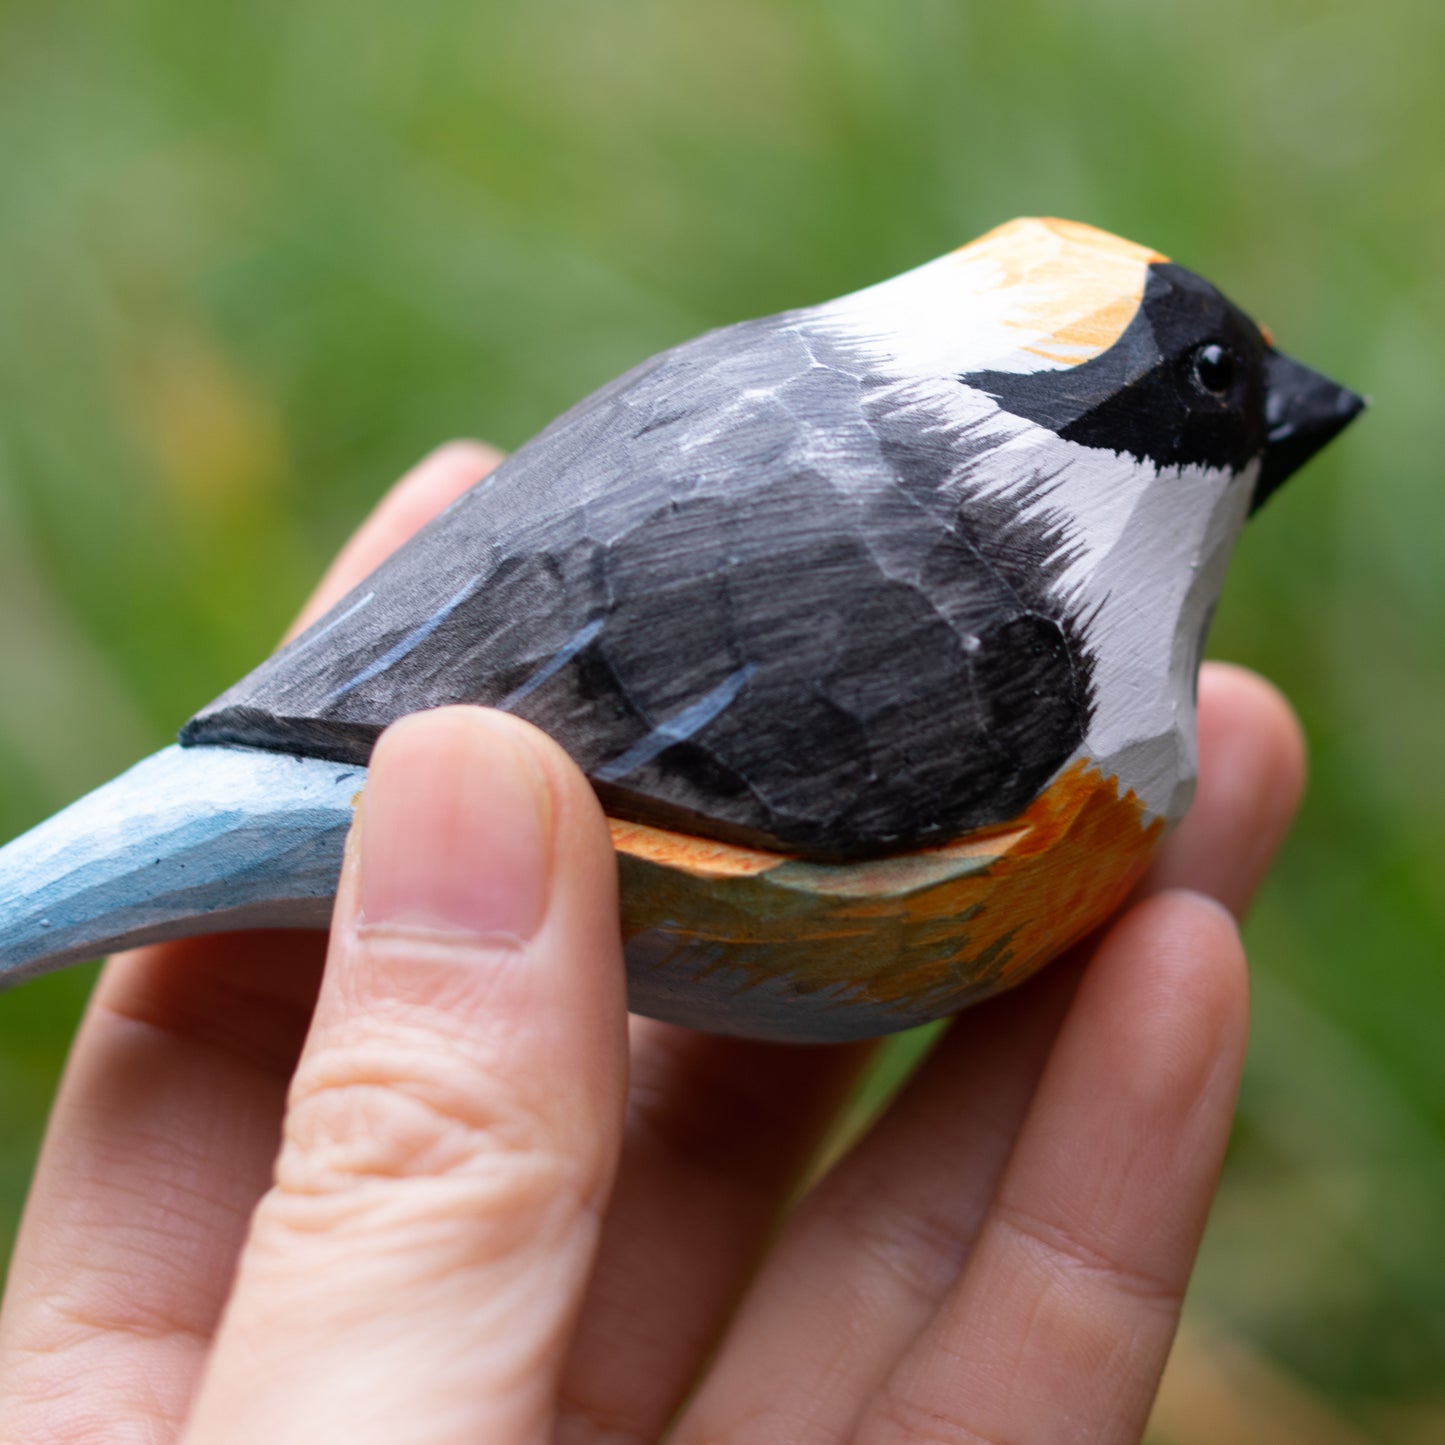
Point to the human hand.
(476, 1232)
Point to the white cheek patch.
(1147, 598)
(1097, 491)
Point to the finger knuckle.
(929, 1421)
(1066, 1252)
(368, 1120)
(917, 1244)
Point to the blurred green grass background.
(256, 257)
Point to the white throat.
(1153, 549)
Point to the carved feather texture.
(755, 591)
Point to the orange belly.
(738, 940)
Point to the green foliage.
(257, 257)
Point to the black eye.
(1214, 368)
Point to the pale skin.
(430, 1184)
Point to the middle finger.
(862, 1266)
(718, 1132)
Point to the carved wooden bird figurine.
(875, 625)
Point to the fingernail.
(456, 836)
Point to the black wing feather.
(740, 587)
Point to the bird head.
(1134, 416)
(1105, 343)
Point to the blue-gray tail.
(192, 840)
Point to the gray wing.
(739, 587)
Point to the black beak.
(1302, 411)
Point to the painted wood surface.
(873, 594)
(849, 580)
(743, 941)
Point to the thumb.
(455, 1119)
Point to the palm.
(1002, 1256)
